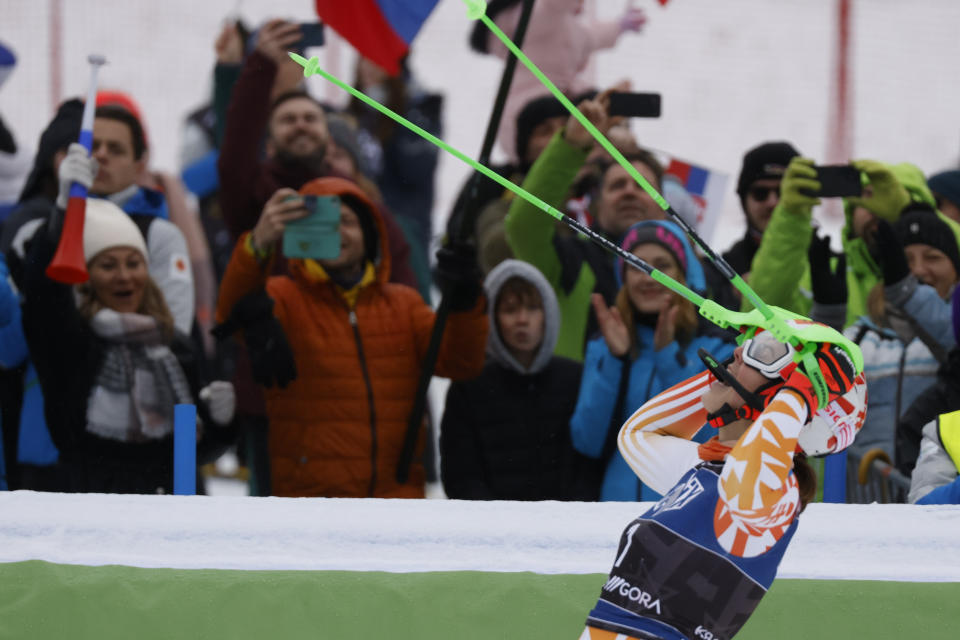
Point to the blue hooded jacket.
(652, 372)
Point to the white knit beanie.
(106, 226)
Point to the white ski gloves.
(221, 401)
(77, 166)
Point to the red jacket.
(337, 430)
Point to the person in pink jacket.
(558, 40)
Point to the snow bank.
(868, 542)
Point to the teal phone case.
(317, 235)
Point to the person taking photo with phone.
(337, 346)
(781, 271)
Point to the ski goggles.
(767, 355)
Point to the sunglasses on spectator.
(760, 194)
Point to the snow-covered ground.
(866, 542)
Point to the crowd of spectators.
(283, 283)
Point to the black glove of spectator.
(890, 255)
(829, 284)
(270, 356)
(458, 275)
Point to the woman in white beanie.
(111, 363)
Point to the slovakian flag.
(380, 30)
(707, 188)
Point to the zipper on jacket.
(373, 413)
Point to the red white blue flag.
(707, 188)
(380, 30)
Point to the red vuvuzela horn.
(69, 265)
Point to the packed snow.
(864, 542)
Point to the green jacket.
(570, 264)
(780, 272)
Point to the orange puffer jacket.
(337, 430)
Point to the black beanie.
(62, 130)
(535, 112)
(921, 225)
(769, 160)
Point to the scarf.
(138, 383)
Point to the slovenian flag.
(380, 30)
(707, 188)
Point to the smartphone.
(838, 181)
(316, 235)
(635, 105)
(312, 36)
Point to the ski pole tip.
(309, 66)
(475, 8)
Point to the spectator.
(909, 331)
(946, 189)
(14, 161)
(573, 266)
(402, 163)
(649, 341)
(120, 144)
(113, 367)
(759, 190)
(290, 129)
(339, 414)
(558, 41)
(506, 434)
(935, 479)
(780, 268)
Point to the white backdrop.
(732, 74)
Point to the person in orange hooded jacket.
(339, 412)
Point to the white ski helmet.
(832, 428)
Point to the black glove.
(829, 284)
(458, 275)
(271, 359)
(890, 255)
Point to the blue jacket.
(651, 373)
(34, 445)
(893, 368)
(147, 202)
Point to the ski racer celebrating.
(696, 564)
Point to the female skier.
(696, 564)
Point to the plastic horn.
(68, 264)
